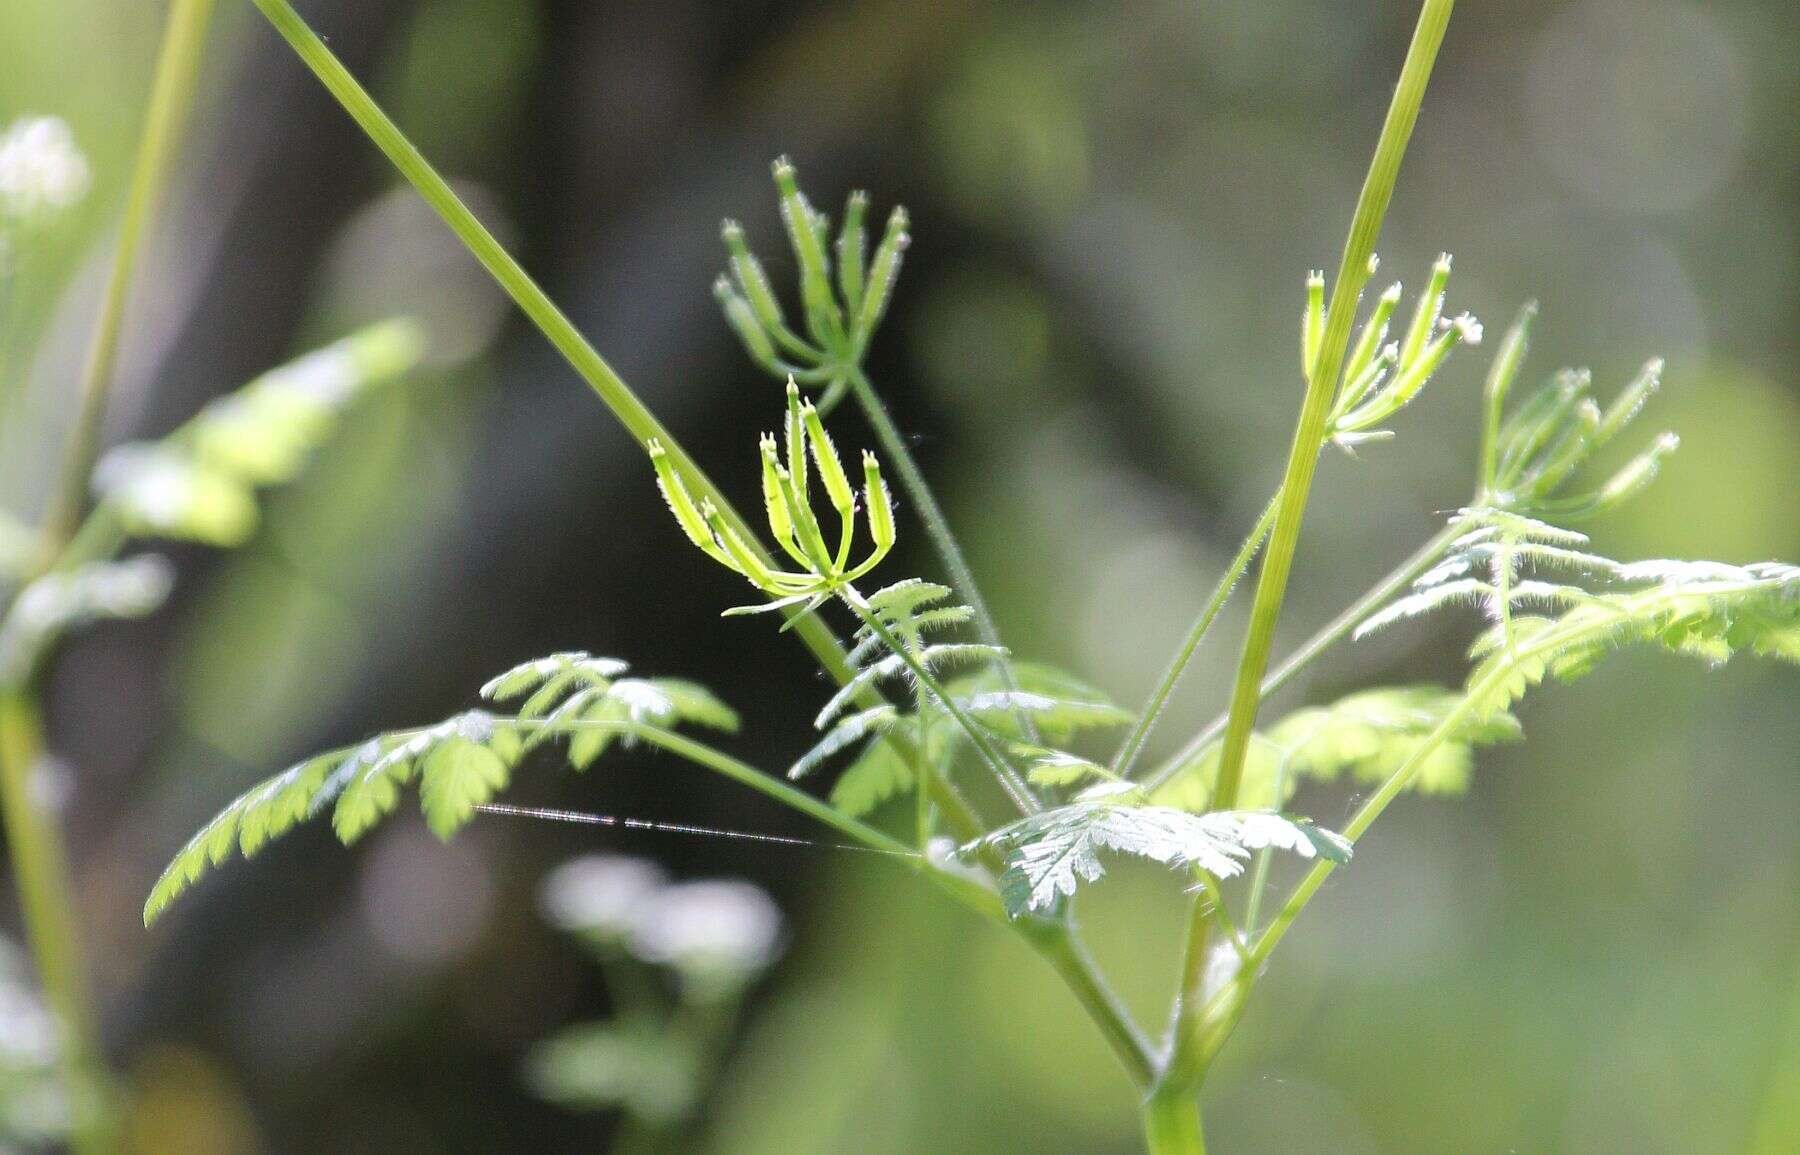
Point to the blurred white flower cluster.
(41, 171)
(717, 935)
(33, 1108)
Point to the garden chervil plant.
(1023, 780)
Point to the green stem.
(1159, 698)
(625, 405)
(1303, 455)
(171, 97)
(1476, 697)
(1172, 1123)
(937, 526)
(1778, 1115)
(1259, 877)
(612, 390)
(1056, 941)
(978, 898)
(1296, 483)
(1328, 635)
(40, 865)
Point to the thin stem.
(1780, 1106)
(1057, 942)
(1221, 915)
(978, 898)
(1296, 483)
(1159, 697)
(1328, 635)
(1303, 455)
(1259, 877)
(40, 865)
(1015, 786)
(612, 390)
(625, 405)
(1222, 1016)
(937, 526)
(171, 97)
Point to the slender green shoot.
(1296, 484)
(1159, 697)
(171, 99)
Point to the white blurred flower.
(41, 170)
(717, 934)
(600, 894)
(27, 1033)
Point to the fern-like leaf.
(199, 483)
(458, 764)
(57, 602)
(1051, 854)
(1366, 735)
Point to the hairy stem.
(1328, 635)
(1303, 456)
(171, 97)
(40, 865)
(937, 526)
(612, 390)
(1159, 697)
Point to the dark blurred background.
(1094, 343)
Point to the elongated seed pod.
(1637, 474)
(831, 469)
(1312, 323)
(851, 243)
(753, 281)
(742, 319)
(780, 525)
(1370, 379)
(881, 506)
(1500, 376)
(1632, 479)
(1565, 452)
(884, 270)
(743, 558)
(1532, 426)
(1374, 332)
(806, 528)
(1425, 317)
(796, 445)
(1626, 405)
(1412, 377)
(809, 250)
(681, 504)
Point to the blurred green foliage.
(1113, 206)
